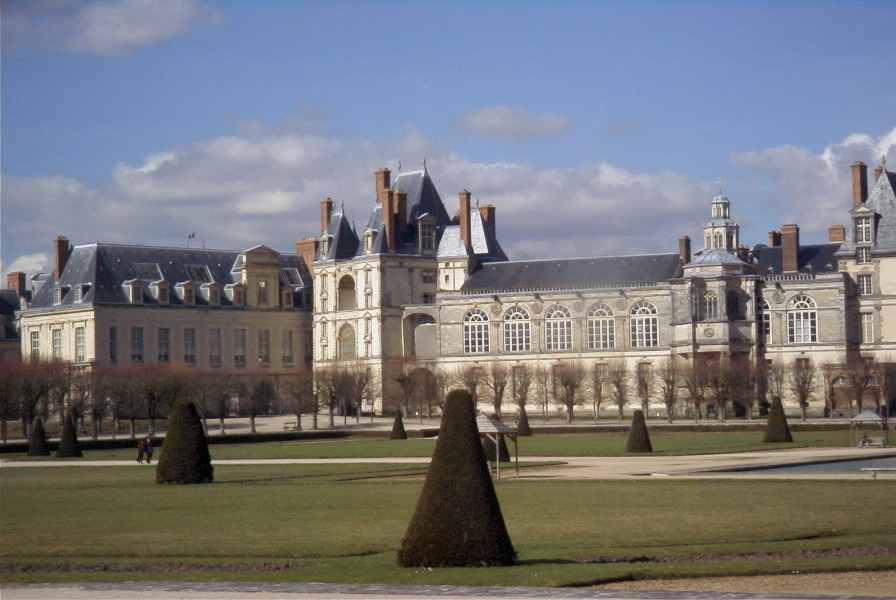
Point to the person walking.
(147, 448)
(140, 451)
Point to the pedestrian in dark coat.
(147, 448)
(140, 451)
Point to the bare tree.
(802, 382)
(669, 372)
(443, 382)
(695, 382)
(744, 378)
(618, 378)
(299, 390)
(719, 383)
(327, 381)
(570, 376)
(9, 392)
(860, 372)
(522, 378)
(542, 377)
(358, 381)
(599, 378)
(471, 377)
(259, 397)
(645, 378)
(496, 379)
(34, 385)
(776, 379)
(406, 386)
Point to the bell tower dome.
(721, 232)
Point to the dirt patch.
(828, 553)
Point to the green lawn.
(344, 523)
(566, 444)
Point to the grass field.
(566, 444)
(344, 523)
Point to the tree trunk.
(670, 412)
(25, 427)
(3, 429)
(114, 426)
(803, 410)
(298, 421)
(332, 415)
(645, 406)
(252, 423)
(152, 425)
(314, 418)
(96, 426)
(221, 419)
(721, 408)
(569, 415)
(620, 408)
(133, 426)
(596, 411)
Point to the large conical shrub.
(522, 425)
(488, 449)
(638, 439)
(777, 430)
(398, 432)
(458, 520)
(38, 442)
(68, 445)
(185, 457)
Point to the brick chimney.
(836, 233)
(389, 218)
(61, 251)
(684, 249)
(487, 213)
(790, 240)
(16, 281)
(326, 213)
(383, 178)
(774, 238)
(464, 213)
(307, 250)
(859, 183)
(401, 209)
(878, 171)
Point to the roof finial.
(342, 206)
(424, 164)
(883, 161)
(399, 166)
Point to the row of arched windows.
(802, 320)
(600, 334)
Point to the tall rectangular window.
(866, 331)
(79, 344)
(286, 349)
(57, 344)
(113, 344)
(164, 344)
(190, 346)
(865, 282)
(863, 255)
(264, 346)
(262, 293)
(214, 347)
(136, 344)
(863, 230)
(239, 347)
(35, 346)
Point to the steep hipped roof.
(344, 243)
(423, 197)
(482, 238)
(573, 273)
(815, 258)
(102, 268)
(881, 204)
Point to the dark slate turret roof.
(102, 268)
(345, 241)
(815, 258)
(881, 204)
(573, 273)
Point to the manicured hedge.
(398, 432)
(776, 430)
(37, 445)
(68, 445)
(185, 457)
(638, 439)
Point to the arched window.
(346, 298)
(601, 328)
(802, 321)
(766, 320)
(557, 329)
(475, 332)
(710, 306)
(516, 330)
(644, 326)
(717, 240)
(262, 295)
(347, 348)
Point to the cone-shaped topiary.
(638, 439)
(488, 449)
(185, 457)
(398, 432)
(522, 425)
(38, 441)
(777, 430)
(458, 520)
(68, 445)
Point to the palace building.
(420, 290)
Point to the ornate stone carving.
(496, 310)
(709, 332)
(778, 297)
(578, 305)
(537, 308)
(620, 305)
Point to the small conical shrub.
(458, 520)
(398, 432)
(638, 439)
(777, 430)
(522, 426)
(185, 457)
(68, 445)
(38, 441)
(488, 448)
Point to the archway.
(346, 347)
(346, 299)
(411, 323)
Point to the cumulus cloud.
(508, 122)
(815, 188)
(28, 263)
(97, 26)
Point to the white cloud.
(508, 122)
(97, 26)
(812, 189)
(28, 263)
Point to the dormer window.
(325, 240)
(59, 294)
(159, 291)
(186, 292)
(864, 233)
(78, 293)
(134, 291)
(427, 235)
(236, 293)
(368, 241)
(212, 294)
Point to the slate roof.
(102, 269)
(715, 256)
(573, 273)
(485, 244)
(345, 241)
(9, 302)
(882, 204)
(814, 258)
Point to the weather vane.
(721, 183)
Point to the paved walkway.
(700, 466)
(315, 591)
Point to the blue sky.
(133, 120)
